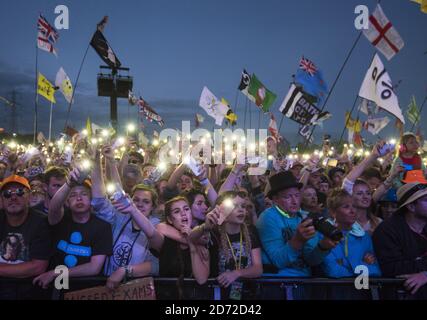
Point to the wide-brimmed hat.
(281, 181)
(410, 192)
(415, 176)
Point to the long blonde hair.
(225, 249)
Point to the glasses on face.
(8, 193)
(133, 162)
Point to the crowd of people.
(120, 218)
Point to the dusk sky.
(176, 47)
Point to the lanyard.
(238, 266)
(283, 213)
(346, 245)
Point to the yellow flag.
(423, 5)
(45, 88)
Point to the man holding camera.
(290, 242)
(82, 241)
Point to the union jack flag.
(308, 66)
(47, 35)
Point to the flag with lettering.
(45, 88)
(378, 87)
(383, 35)
(297, 107)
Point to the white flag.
(377, 87)
(383, 35)
(374, 126)
(369, 108)
(213, 106)
(64, 83)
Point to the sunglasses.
(134, 162)
(8, 193)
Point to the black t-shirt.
(75, 243)
(29, 241)
(40, 207)
(173, 260)
(221, 262)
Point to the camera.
(321, 224)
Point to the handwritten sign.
(140, 289)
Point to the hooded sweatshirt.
(349, 253)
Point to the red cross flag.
(383, 35)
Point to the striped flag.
(297, 107)
(413, 112)
(47, 35)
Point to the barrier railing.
(262, 288)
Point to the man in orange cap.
(24, 237)
(400, 242)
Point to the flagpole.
(246, 109)
(50, 121)
(75, 86)
(336, 80)
(36, 96)
(250, 117)
(419, 114)
(281, 122)
(236, 101)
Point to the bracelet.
(204, 182)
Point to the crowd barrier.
(256, 289)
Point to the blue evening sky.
(175, 47)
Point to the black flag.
(101, 46)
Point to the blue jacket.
(349, 253)
(275, 230)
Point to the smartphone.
(332, 162)
(386, 149)
(194, 165)
(408, 167)
(226, 208)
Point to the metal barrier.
(261, 289)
